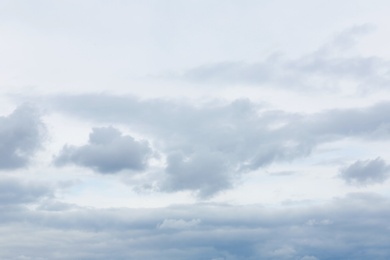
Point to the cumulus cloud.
(366, 172)
(21, 135)
(107, 151)
(208, 146)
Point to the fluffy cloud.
(21, 135)
(108, 151)
(366, 172)
(208, 146)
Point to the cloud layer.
(205, 231)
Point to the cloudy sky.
(218, 130)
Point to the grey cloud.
(202, 171)
(208, 146)
(21, 135)
(108, 151)
(366, 172)
(15, 192)
(369, 123)
(204, 231)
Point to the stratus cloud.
(202, 231)
(366, 172)
(21, 135)
(107, 151)
(208, 146)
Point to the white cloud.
(309, 257)
(178, 224)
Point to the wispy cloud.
(325, 69)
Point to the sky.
(218, 130)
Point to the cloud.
(359, 230)
(366, 172)
(178, 224)
(15, 192)
(202, 171)
(313, 222)
(208, 146)
(107, 151)
(309, 257)
(284, 252)
(371, 122)
(21, 135)
(314, 71)
(323, 69)
(347, 38)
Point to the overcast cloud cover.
(194, 129)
